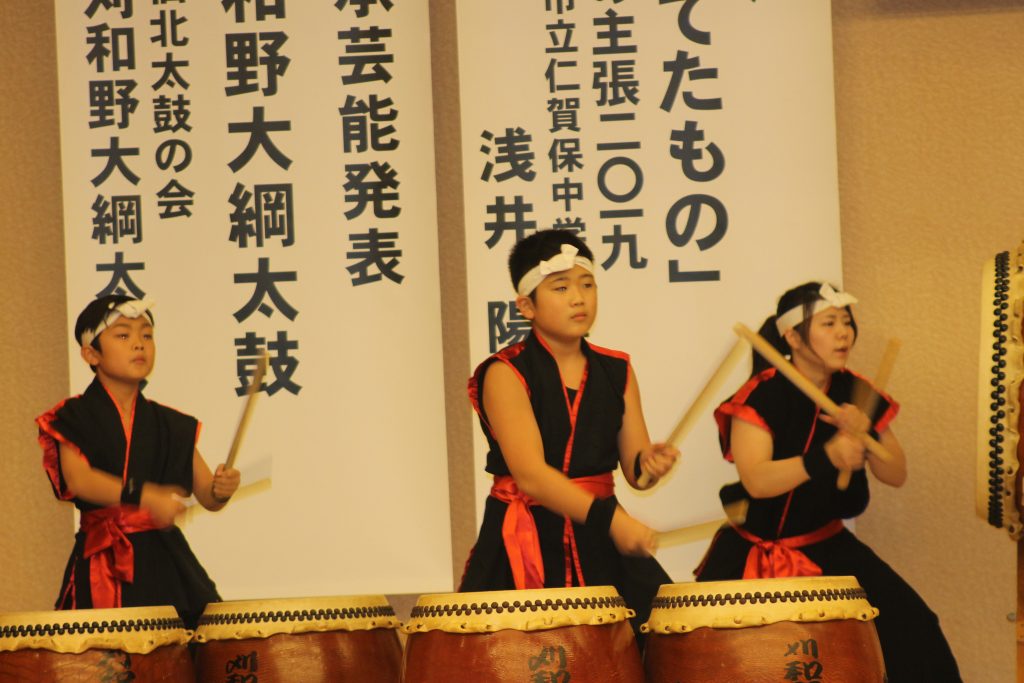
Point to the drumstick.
(700, 404)
(805, 385)
(868, 403)
(250, 402)
(689, 534)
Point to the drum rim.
(524, 610)
(683, 607)
(996, 495)
(136, 630)
(244, 619)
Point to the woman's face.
(829, 340)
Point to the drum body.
(312, 640)
(805, 628)
(1000, 449)
(141, 644)
(558, 634)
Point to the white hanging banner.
(692, 144)
(265, 171)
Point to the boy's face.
(128, 350)
(564, 305)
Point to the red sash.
(519, 530)
(111, 555)
(781, 557)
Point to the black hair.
(95, 311)
(540, 246)
(805, 295)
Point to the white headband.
(829, 298)
(559, 263)
(128, 309)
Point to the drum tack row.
(800, 629)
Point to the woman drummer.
(789, 455)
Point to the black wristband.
(818, 465)
(131, 492)
(637, 470)
(599, 517)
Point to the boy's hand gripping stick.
(250, 402)
(867, 400)
(700, 404)
(805, 385)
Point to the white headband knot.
(565, 260)
(132, 308)
(828, 298)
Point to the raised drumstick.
(689, 534)
(700, 404)
(805, 385)
(870, 401)
(250, 402)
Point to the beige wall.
(929, 101)
(929, 98)
(35, 533)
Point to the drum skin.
(169, 664)
(845, 650)
(312, 640)
(577, 653)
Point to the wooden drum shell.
(577, 634)
(141, 644)
(314, 640)
(763, 630)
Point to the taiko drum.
(313, 640)
(558, 634)
(806, 628)
(141, 644)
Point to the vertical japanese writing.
(261, 208)
(701, 161)
(802, 662)
(243, 668)
(171, 109)
(550, 666)
(620, 178)
(369, 134)
(117, 215)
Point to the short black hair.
(805, 295)
(540, 246)
(95, 311)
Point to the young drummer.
(560, 415)
(127, 464)
(789, 455)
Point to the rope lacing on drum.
(996, 489)
(547, 605)
(298, 615)
(83, 627)
(758, 597)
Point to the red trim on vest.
(126, 427)
(473, 384)
(49, 438)
(737, 407)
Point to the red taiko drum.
(805, 628)
(141, 644)
(557, 634)
(313, 640)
